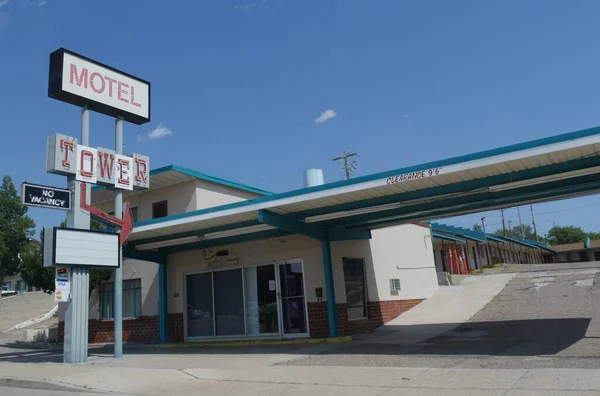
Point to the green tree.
(566, 234)
(34, 273)
(15, 229)
(519, 231)
(594, 235)
(32, 267)
(477, 227)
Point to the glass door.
(200, 305)
(262, 316)
(291, 300)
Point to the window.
(356, 290)
(132, 299)
(134, 214)
(159, 209)
(20, 286)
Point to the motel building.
(473, 250)
(212, 259)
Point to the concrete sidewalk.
(128, 376)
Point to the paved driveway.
(546, 316)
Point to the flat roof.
(170, 175)
(557, 167)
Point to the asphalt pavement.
(547, 316)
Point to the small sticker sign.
(62, 287)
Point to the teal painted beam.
(329, 289)
(194, 233)
(208, 243)
(349, 235)
(145, 255)
(445, 210)
(566, 186)
(162, 302)
(290, 224)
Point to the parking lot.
(546, 316)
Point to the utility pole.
(509, 227)
(534, 227)
(520, 222)
(348, 166)
(483, 223)
(503, 224)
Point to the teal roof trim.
(544, 246)
(447, 237)
(462, 232)
(528, 244)
(202, 176)
(446, 162)
(495, 239)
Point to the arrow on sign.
(126, 225)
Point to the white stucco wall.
(210, 194)
(180, 198)
(252, 253)
(404, 252)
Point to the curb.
(208, 344)
(48, 385)
(33, 321)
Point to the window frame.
(156, 204)
(365, 290)
(106, 299)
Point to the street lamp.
(483, 219)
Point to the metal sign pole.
(119, 271)
(77, 309)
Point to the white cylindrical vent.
(313, 177)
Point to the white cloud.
(159, 132)
(42, 3)
(250, 6)
(3, 3)
(326, 115)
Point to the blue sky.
(238, 86)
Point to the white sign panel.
(60, 154)
(141, 171)
(89, 248)
(104, 85)
(123, 172)
(87, 164)
(106, 167)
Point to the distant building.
(577, 252)
(16, 282)
(460, 250)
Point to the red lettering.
(142, 171)
(87, 158)
(99, 76)
(133, 97)
(122, 85)
(66, 146)
(82, 79)
(111, 81)
(107, 162)
(123, 171)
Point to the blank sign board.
(86, 248)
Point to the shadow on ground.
(519, 338)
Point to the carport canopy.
(558, 167)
